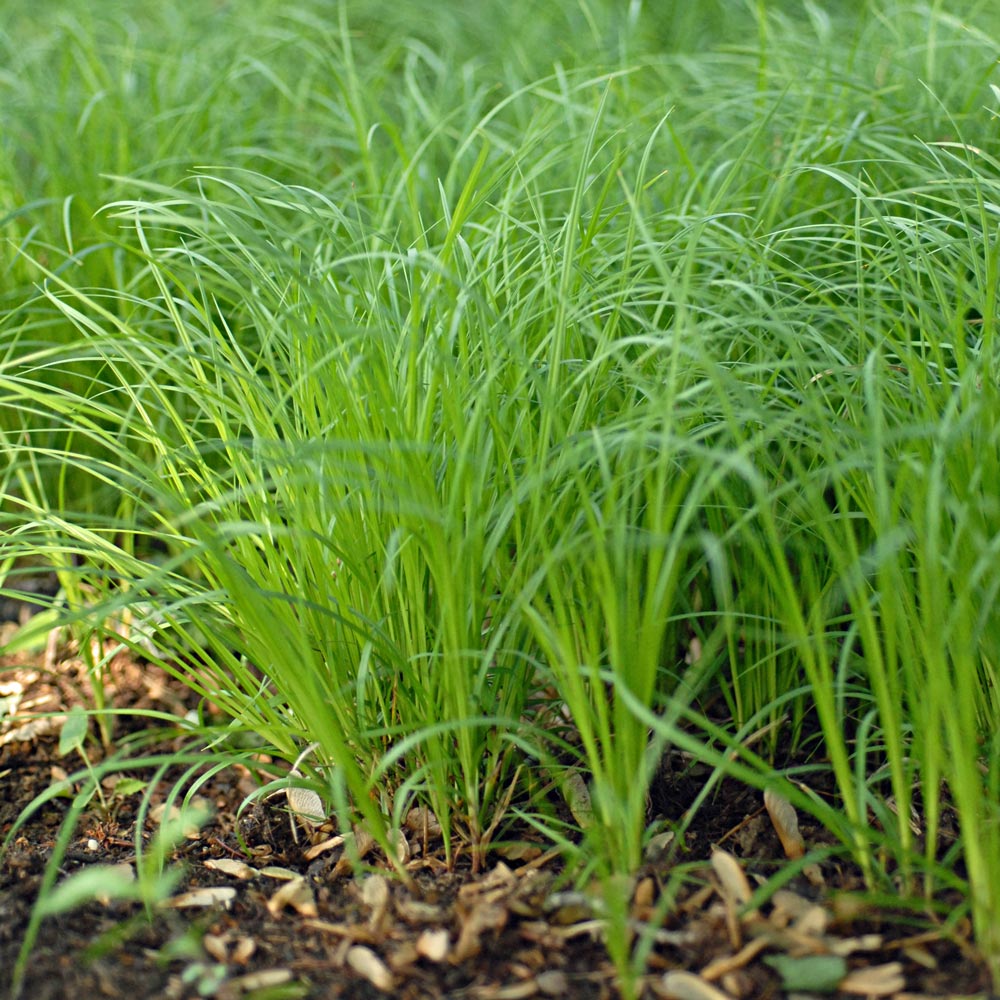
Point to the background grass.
(476, 402)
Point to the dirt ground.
(276, 918)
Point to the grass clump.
(487, 414)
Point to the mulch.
(260, 912)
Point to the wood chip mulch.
(289, 917)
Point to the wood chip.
(482, 919)
(217, 946)
(375, 895)
(875, 981)
(231, 866)
(215, 896)
(553, 983)
(433, 945)
(322, 847)
(730, 963)
(284, 874)
(786, 824)
(265, 979)
(399, 846)
(367, 964)
(687, 986)
(735, 886)
(295, 894)
(243, 950)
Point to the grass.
(414, 386)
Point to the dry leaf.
(366, 963)
(786, 823)
(230, 866)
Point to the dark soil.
(512, 930)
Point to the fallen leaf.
(812, 973)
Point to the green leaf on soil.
(816, 973)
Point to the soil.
(288, 916)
